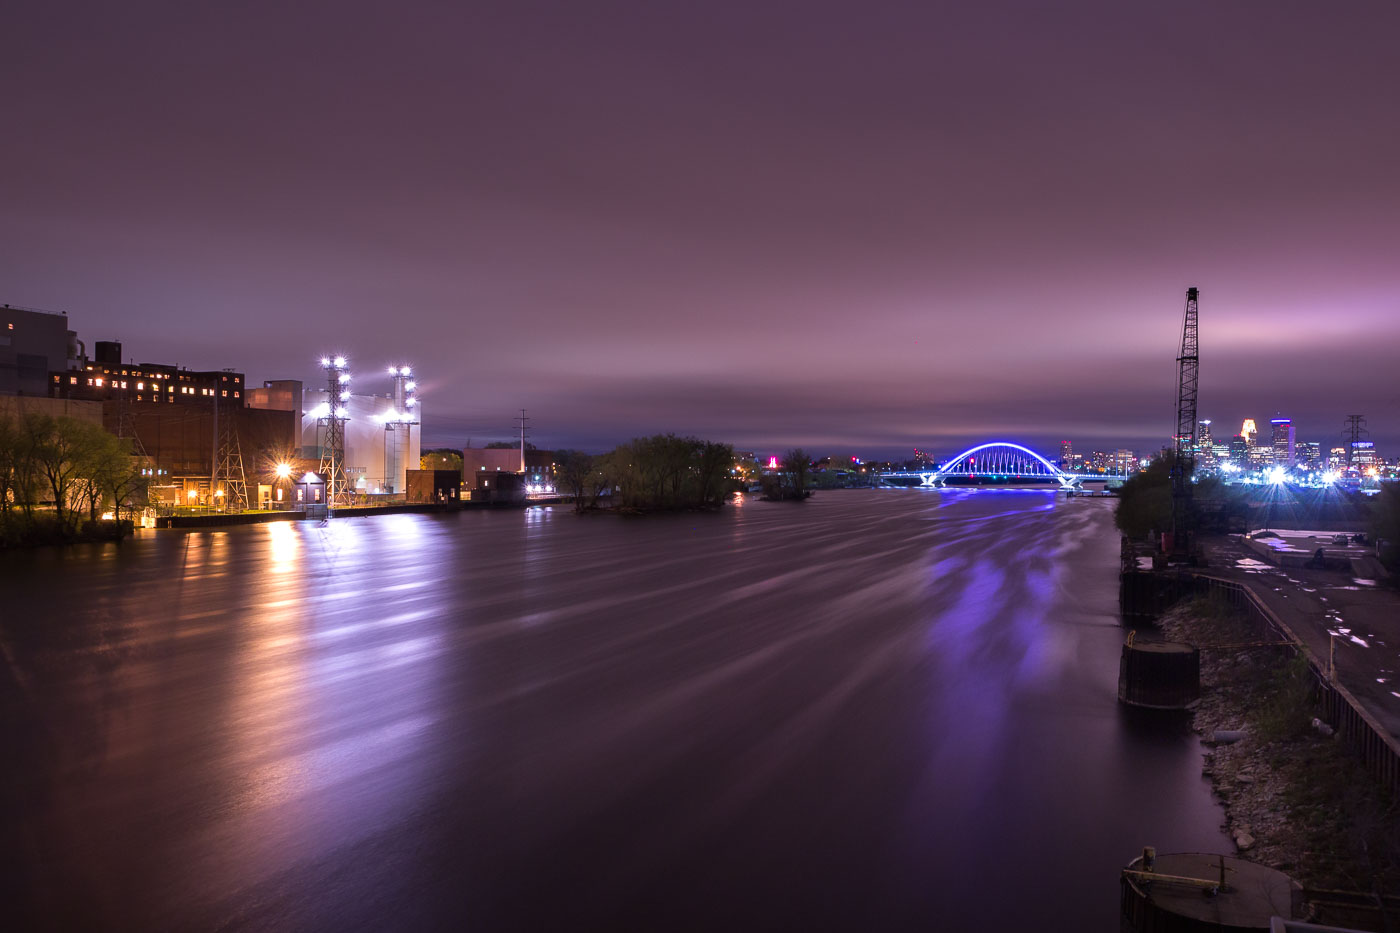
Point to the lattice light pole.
(333, 435)
(399, 426)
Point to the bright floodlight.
(406, 371)
(340, 361)
(344, 378)
(409, 402)
(342, 412)
(325, 361)
(411, 386)
(284, 470)
(1276, 475)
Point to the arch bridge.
(998, 461)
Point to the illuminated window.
(123, 383)
(235, 395)
(72, 380)
(140, 386)
(99, 382)
(224, 393)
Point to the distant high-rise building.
(1306, 454)
(1066, 454)
(1249, 432)
(1363, 455)
(1239, 451)
(1205, 448)
(1283, 441)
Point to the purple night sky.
(857, 227)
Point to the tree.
(574, 471)
(1385, 525)
(1145, 500)
(797, 469)
(60, 448)
(115, 474)
(15, 467)
(714, 466)
(440, 458)
(666, 472)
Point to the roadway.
(1315, 604)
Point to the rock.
(1244, 841)
(1226, 736)
(1244, 779)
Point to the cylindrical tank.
(1188, 895)
(1159, 674)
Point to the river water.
(878, 709)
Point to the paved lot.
(1321, 606)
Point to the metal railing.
(1377, 749)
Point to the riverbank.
(41, 530)
(1295, 798)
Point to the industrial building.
(33, 344)
(106, 378)
(380, 435)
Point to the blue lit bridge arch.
(1000, 461)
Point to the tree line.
(58, 475)
(658, 473)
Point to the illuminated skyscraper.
(1205, 447)
(1239, 451)
(1249, 432)
(1283, 441)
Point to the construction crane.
(1188, 373)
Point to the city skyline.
(790, 225)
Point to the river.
(878, 709)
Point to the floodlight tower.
(398, 428)
(1188, 373)
(333, 437)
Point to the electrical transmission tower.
(228, 469)
(333, 434)
(1355, 430)
(1188, 376)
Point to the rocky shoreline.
(1295, 799)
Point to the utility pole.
(1355, 430)
(1188, 377)
(523, 421)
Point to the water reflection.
(781, 715)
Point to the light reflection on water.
(808, 709)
